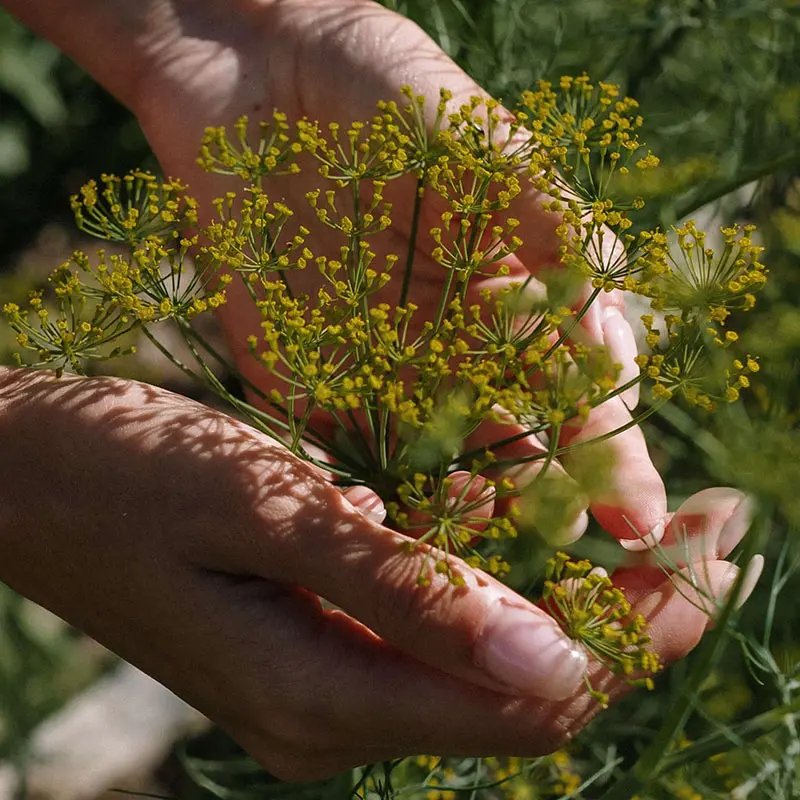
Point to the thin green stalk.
(564, 335)
(571, 447)
(356, 428)
(551, 453)
(533, 431)
(219, 389)
(650, 763)
(383, 437)
(188, 371)
(715, 191)
(476, 451)
(312, 435)
(412, 241)
(719, 742)
(367, 771)
(473, 235)
(624, 387)
(445, 296)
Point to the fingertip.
(627, 494)
(708, 525)
(683, 606)
(634, 517)
(734, 530)
(686, 604)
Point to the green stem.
(551, 454)
(720, 742)
(476, 451)
(440, 311)
(511, 462)
(721, 188)
(188, 371)
(367, 771)
(312, 435)
(216, 386)
(412, 241)
(576, 319)
(533, 431)
(651, 762)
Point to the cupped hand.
(198, 65)
(192, 64)
(198, 549)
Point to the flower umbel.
(397, 395)
(594, 612)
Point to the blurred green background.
(719, 87)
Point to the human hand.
(198, 549)
(295, 56)
(212, 616)
(194, 64)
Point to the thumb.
(308, 534)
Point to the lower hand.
(199, 550)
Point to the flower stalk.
(396, 384)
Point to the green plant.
(397, 401)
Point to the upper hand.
(199, 65)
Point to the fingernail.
(646, 542)
(525, 650)
(735, 528)
(720, 588)
(751, 575)
(363, 499)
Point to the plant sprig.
(396, 397)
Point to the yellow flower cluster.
(547, 778)
(133, 208)
(693, 345)
(340, 338)
(585, 132)
(451, 522)
(76, 330)
(274, 155)
(595, 613)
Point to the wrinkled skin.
(197, 548)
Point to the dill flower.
(694, 346)
(595, 613)
(395, 395)
(131, 208)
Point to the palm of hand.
(295, 58)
